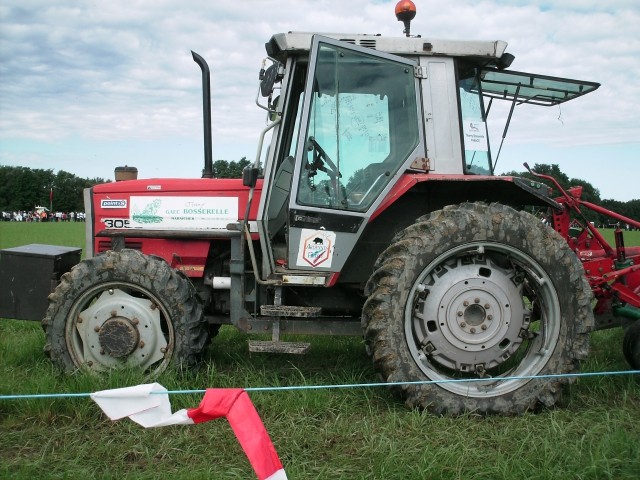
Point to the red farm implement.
(613, 272)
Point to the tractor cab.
(360, 121)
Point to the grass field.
(14, 234)
(357, 433)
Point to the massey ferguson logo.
(113, 203)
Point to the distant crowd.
(44, 216)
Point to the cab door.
(359, 130)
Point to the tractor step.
(289, 311)
(275, 345)
(260, 346)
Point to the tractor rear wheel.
(476, 299)
(124, 310)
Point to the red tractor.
(377, 214)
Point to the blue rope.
(350, 385)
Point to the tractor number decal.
(116, 223)
(178, 213)
(316, 248)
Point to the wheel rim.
(119, 325)
(482, 310)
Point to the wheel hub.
(475, 315)
(119, 330)
(471, 315)
(118, 337)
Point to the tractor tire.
(631, 345)
(124, 310)
(477, 291)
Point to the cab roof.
(281, 45)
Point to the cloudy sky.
(86, 86)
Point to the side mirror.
(268, 78)
(250, 176)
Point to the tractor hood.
(202, 207)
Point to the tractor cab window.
(474, 128)
(362, 125)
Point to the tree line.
(23, 188)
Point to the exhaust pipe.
(206, 114)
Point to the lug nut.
(463, 324)
(476, 300)
(141, 344)
(472, 330)
(466, 303)
(460, 313)
(486, 306)
(483, 327)
(489, 317)
(96, 328)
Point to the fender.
(460, 188)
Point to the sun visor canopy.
(532, 88)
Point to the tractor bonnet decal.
(176, 213)
(316, 248)
(109, 203)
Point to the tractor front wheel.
(476, 299)
(124, 310)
